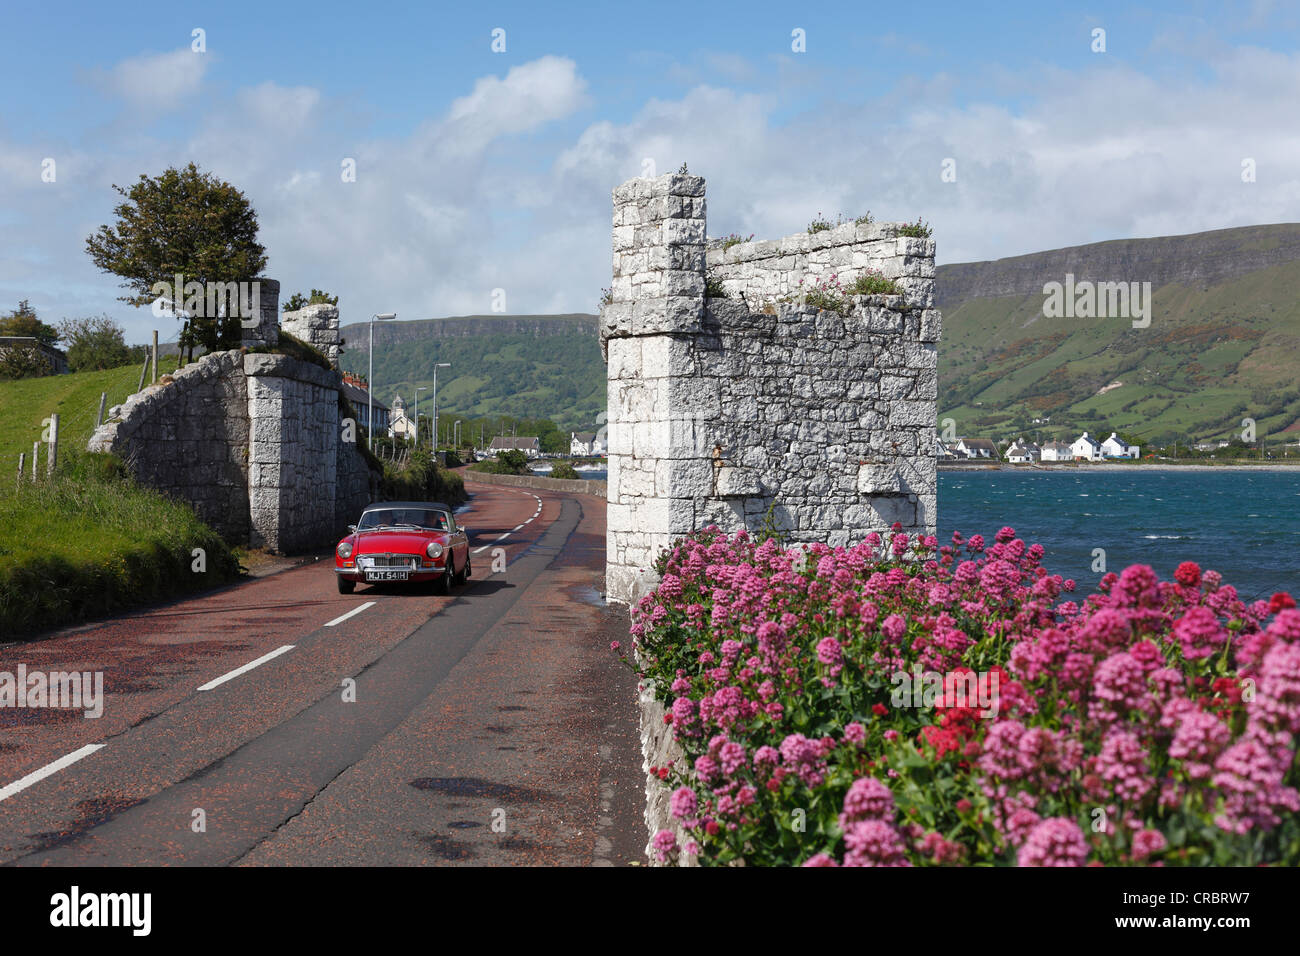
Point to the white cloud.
(530, 95)
(159, 81)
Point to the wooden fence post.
(99, 419)
(22, 464)
(36, 453)
(54, 443)
(155, 356)
(144, 370)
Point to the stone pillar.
(263, 328)
(658, 302)
(293, 452)
(318, 326)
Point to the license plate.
(388, 575)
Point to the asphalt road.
(490, 727)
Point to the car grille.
(389, 561)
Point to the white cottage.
(1116, 447)
(1057, 451)
(1086, 448)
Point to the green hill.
(26, 403)
(532, 366)
(1223, 344)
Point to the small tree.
(19, 361)
(94, 342)
(317, 297)
(187, 223)
(23, 321)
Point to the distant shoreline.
(1086, 467)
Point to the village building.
(1021, 452)
(1116, 447)
(1086, 448)
(358, 395)
(400, 425)
(977, 448)
(585, 445)
(1057, 451)
(529, 446)
(57, 358)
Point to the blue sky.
(479, 170)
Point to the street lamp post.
(422, 388)
(437, 365)
(456, 434)
(370, 377)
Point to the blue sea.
(1244, 524)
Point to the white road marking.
(482, 548)
(247, 667)
(36, 776)
(352, 613)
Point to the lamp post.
(370, 377)
(437, 365)
(422, 388)
(455, 441)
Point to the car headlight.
(345, 550)
(434, 549)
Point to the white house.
(1087, 448)
(1116, 447)
(529, 446)
(585, 445)
(1023, 453)
(976, 448)
(360, 399)
(400, 426)
(1057, 451)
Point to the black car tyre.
(346, 586)
(443, 585)
(465, 571)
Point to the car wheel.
(465, 572)
(346, 586)
(443, 585)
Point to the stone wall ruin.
(755, 408)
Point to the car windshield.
(425, 519)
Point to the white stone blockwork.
(755, 407)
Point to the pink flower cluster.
(1152, 705)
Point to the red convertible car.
(413, 541)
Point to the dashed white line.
(352, 613)
(483, 547)
(247, 667)
(18, 786)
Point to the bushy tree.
(23, 321)
(94, 342)
(18, 361)
(188, 223)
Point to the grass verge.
(88, 542)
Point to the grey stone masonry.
(755, 408)
(318, 326)
(255, 441)
(264, 328)
(293, 413)
(188, 437)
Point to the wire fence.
(77, 423)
